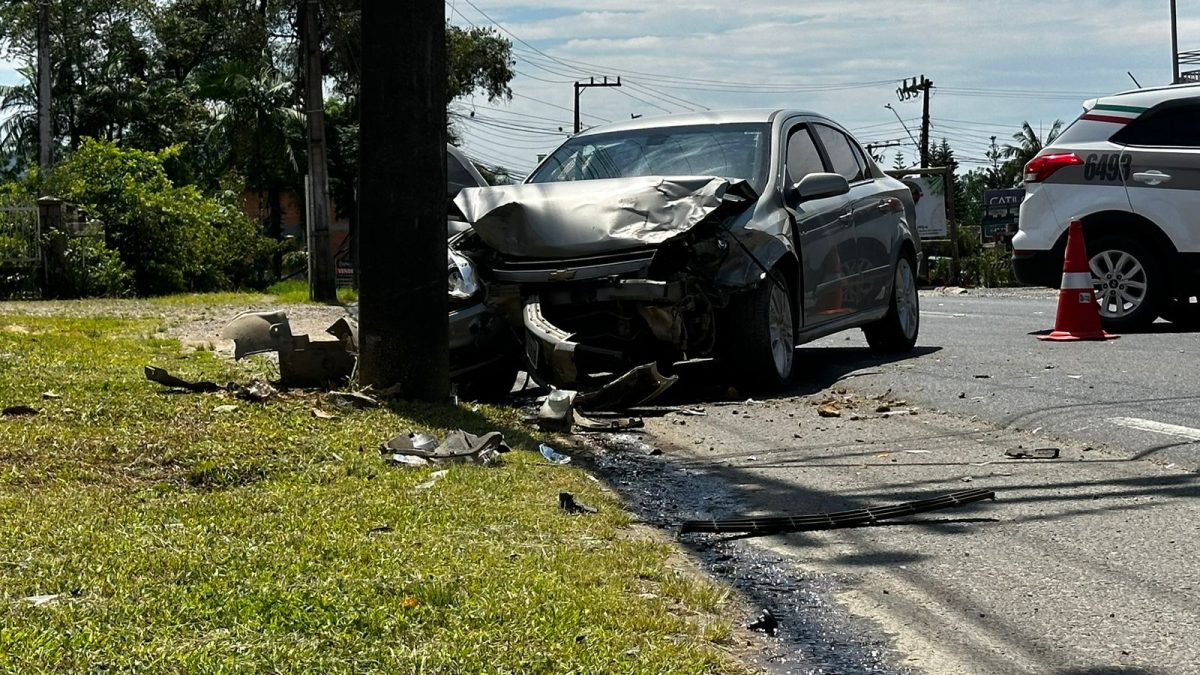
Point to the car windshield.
(737, 151)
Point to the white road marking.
(1157, 427)
(945, 315)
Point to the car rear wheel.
(760, 334)
(897, 331)
(1127, 281)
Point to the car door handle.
(1151, 177)
(846, 217)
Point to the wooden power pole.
(403, 306)
(45, 133)
(322, 285)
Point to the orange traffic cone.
(1078, 314)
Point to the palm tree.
(1028, 144)
(18, 108)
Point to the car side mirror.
(819, 186)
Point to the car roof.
(751, 115)
(1151, 96)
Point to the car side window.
(802, 157)
(1173, 124)
(841, 153)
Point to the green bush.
(172, 238)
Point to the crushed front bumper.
(554, 351)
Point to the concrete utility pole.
(580, 86)
(919, 86)
(1174, 43)
(45, 133)
(322, 285)
(404, 333)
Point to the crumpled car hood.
(578, 218)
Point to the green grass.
(296, 291)
(266, 539)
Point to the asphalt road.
(1138, 396)
(1084, 564)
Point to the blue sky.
(993, 64)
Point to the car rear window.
(1170, 124)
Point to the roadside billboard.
(929, 195)
(1001, 209)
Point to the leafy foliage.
(172, 238)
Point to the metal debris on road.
(567, 502)
(1036, 453)
(831, 521)
(552, 455)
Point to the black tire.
(490, 384)
(750, 344)
(1117, 263)
(896, 332)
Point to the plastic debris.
(567, 502)
(1036, 453)
(353, 399)
(39, 600)
(831, 521)
(257, 391)
(50, 396)
(321, 414)
(552, 455)
(18, 411)
(636, 387)
(433, 479)
(458, 447)
(558, 411)
(225, 409)
(161, 376)
(765, 622)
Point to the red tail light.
(1043, 166)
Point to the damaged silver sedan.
(732, 235)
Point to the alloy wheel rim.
(1120, 282)
(906, 299)
(783, 342)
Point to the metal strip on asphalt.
(1156, 427)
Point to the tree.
(1029, 143)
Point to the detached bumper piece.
(834, 521)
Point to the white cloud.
(1044, 57)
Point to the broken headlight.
(463, 282)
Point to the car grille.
(628, 264)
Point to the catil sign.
(1001, 209)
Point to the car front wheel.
(1127, 281)
(760, 335)
(897, 331)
